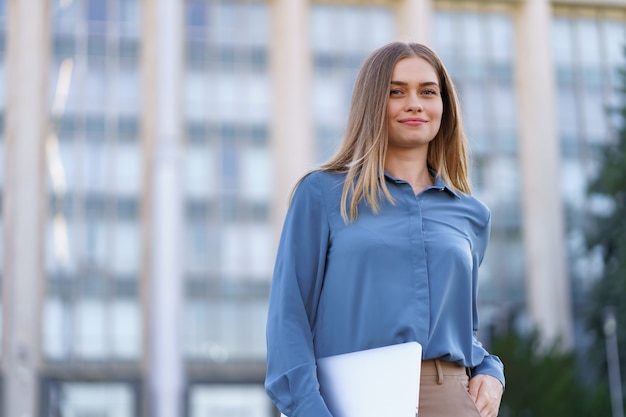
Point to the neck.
(411, 167)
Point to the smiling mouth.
(412, 122)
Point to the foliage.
(607, 235)
(544, 382)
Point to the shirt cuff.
(313, 406)
(491, 365)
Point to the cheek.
(437, 112)
(392, 108)
(437, 115)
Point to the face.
(415, 105)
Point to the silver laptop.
(372, 383)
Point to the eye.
(429, 92)
(395, 92)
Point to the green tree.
(606, 235)
(543, 382)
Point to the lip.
(412, 121)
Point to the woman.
(382, 244)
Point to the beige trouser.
(444, 391)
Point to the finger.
(482, 404)
(474, 388)
(486, 404)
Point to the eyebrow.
(403, 83)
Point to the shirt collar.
(438, 184)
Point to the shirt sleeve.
(490, 364)
(291, 376)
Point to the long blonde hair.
(363, 149)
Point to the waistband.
(439, 368)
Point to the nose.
(413, 103)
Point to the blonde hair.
(363, 149)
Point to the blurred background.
(148, 147)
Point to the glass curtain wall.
(228, 251)
(3, 51)
(588, 48)
(339, 46)
(477, 47)
(92, 318)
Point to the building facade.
(148, 148)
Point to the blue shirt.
(407, 273)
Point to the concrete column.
(547, 282)
(291, 125)
(413, 19)
(24, 203)
(162, 123)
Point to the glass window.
(573, 180)
(590, 66)
(126, 179)
(229, 400)
(61, 155)
(126, 329)
(93, 399)
(129, 13)
(1, 325)
(255, 324)
(195, 332)
(474, 103)
(562, 42)
(614, 35)
(95, 89)
(595, 114)
(196, 88)
(256, 174)
(503, 99)
(96, 10)
(64, 16)
(568, 111)
(126, 249)
(588, 40)
(96, 233)
(1, 253)
(200, 171)
(502, 38)
(2, 161)
(447, 24)
(339, 48)
(196, 258)
(128, 90)
(321, 26)
(196, 13)
(224, 21)
(94, 245)
(95, 166)
(474, 37)
(478, 48)
(2, 85)
(222, 328)
(245, 251)
(227, 172)
(230, 327)
(257, 29)
(61, 245)
(57, 338)
(257, 105)
(90, 327)
(329, 102)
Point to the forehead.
(414, 68)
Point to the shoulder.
(326, 182)
(476, 209)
